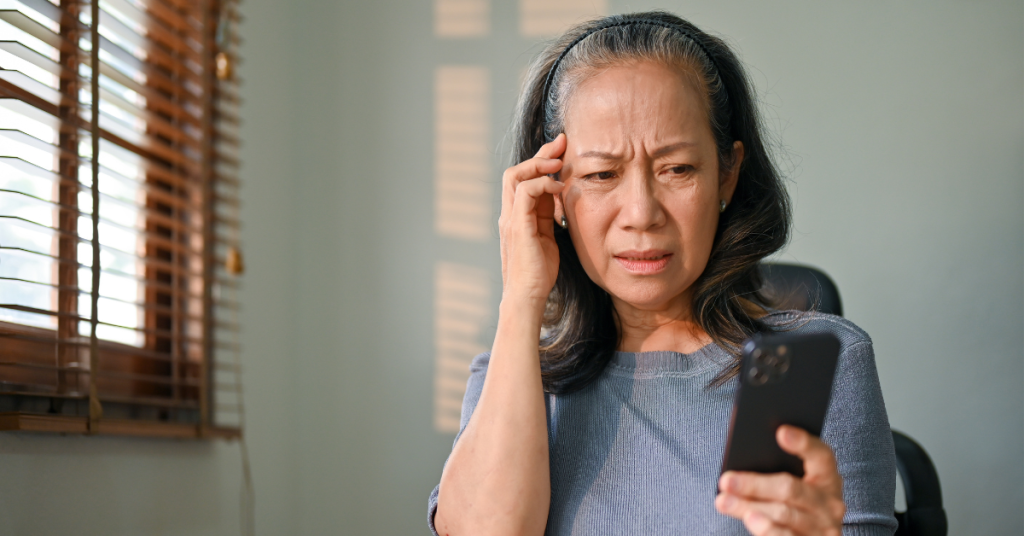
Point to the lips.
(647, 262)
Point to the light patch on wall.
(461, 310)
(462, 189)
(462, 18)
(545, 18)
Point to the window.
(119, 250)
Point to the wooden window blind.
(119, 253)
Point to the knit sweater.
(639, 450)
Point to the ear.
(727, 181)
(559, 209)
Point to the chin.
(645, 294)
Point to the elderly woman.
(632, 225)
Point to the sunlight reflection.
(461, 310)
(462, 194)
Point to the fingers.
(781, 503)
(762, 487)
(529, 198)
(762, 518)
(546, 162)
(819, 462)
(554, 148)
(784, 500)
(760, 525)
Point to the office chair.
(805, 288)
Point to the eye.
(600, 175)
(680, 170)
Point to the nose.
(641, 210)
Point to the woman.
(631, 228)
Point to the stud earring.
(563, 223)
(721, 207)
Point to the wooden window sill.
(63, 424)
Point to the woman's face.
(643, 186)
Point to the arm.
(857, 429)
(497, 479)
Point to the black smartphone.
(784, 379)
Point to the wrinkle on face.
(631, 131)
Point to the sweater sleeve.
(857, 429)
(475, 386)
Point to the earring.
(721, 207)
(564, 224)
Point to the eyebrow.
(662, 151)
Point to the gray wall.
(903, 128)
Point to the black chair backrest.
(804, 288)
(925, 515)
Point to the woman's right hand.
(529, 254)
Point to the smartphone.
(785, 378)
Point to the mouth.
(646, 262)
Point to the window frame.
(181, 334)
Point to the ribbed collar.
(710, 356)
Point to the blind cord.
(95, 409)
(247, 496)
(248, 492)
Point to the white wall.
(904, 124)
(905, 129)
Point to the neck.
(667, 327)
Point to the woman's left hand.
(782, 504)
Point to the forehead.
(637, 102)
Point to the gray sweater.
(639, 450)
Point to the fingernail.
(757, 518)
(727, 502)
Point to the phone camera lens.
(758, 377)
(756, 354)
(781, 350)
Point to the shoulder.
(479, 363)
(849, 334)
(856, 378)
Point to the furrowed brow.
(662, 151)
(669, 149)
(601, 155)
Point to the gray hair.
(624, 39)
(580, 328)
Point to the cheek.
(589, 221)
(697, 227)
(693, 216)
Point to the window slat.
(48, 178)
(163, 333)
(168, 311)
(149, 281)
(152, 239)
(175, 13)
(157, 30)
